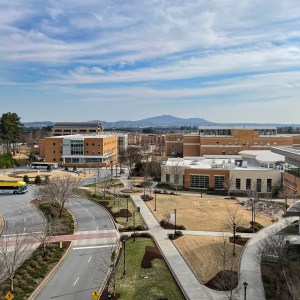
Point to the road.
(19, 214)
(85, 268)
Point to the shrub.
(163, 223)
(37, 179)
(47, 179)
(146, 235)
(124, 237)
(74, 168)
(245, 229)
(26, 178)
(137, 234)
(179, 233)
(171, 236)
(130, 228)
(66, 168)
(172, 193)
(181, 227)
(146, 197)
(139, 227)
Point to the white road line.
(20, 212)
(93, 247)
(24, 229)
(75, 281)
(94, 218)
(97, 228)
(24, 220)
(89, 259)
(11, 235)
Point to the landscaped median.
(31, 273)
(146, 274)
(117, 206)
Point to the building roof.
(263, 156)
(82, 136)
(210, 163)
(77, 124)
(238, 127)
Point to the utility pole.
(124, 256)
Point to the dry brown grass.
(199, 253)
(43, 173)
(197, 213)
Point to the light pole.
(245, 290)
(127, 209)
(114, 195)
(234, 228)
(252, 209)
(95, 185)
(154, 200)
(175, 221)
(286, 197)
(133, 215)
(124, 256)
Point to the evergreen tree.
(37, 179)
(10, 130)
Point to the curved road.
(18, 213)
(85, 268)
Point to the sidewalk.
(186, 278)
(250, 267)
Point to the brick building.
(67, 128)
(80, 150)
(226, 140)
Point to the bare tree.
(13, 251)
(44, 234)
(132, 156)
(60, 190)
(229, 183)
(222, 251)
(233, 217)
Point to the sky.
(221, 60)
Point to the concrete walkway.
(192, 288)
(250, 267)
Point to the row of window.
(244, 144)
(202, 181)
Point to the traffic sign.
(95, 294)
(9, 296)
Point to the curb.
(2, 220)
(52, 272)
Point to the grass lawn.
(200, 254)
(160, 283)
(116, 206)
(197, 213)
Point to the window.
(53, 151)
(93, 144)
(167, 177)
(54, 159)
(223, 152)
(269, 185)
(99, 145)
(87, 144)
(53, 144)
(258, 185)
(217, 143)
(199, 181)
(248, 184)
(238, 183)
(219, 182)
(87, 152)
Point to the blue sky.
(224, 61)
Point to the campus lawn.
(160, 284)
(195, 213)
(203, 258)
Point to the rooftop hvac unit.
(244, 164)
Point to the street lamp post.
(127, 209)
(175, 221)
(286, 197)
(114, 195)
(234, 228)
(252, 209)
(245, 290)
(154, 200)
(133, 215)
(95, 185)
(124, 256)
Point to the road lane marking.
(14, 234)
(24, 220)
(93, 247)
(89, 259)
(94, 218)
(75, 281)
(20, 212)
(97, 228)
(24, 229)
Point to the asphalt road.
(19, 214)
(85, 268)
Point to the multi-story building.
(250, 171)
(67, 128)
(291, 177)
(226, 140)
(80, 150)
(139, 139)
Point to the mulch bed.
(239, 241)
(168, 226)
(220, 281)
(122, 213)
(150, 254)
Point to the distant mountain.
(163, 121)
(38, 124)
